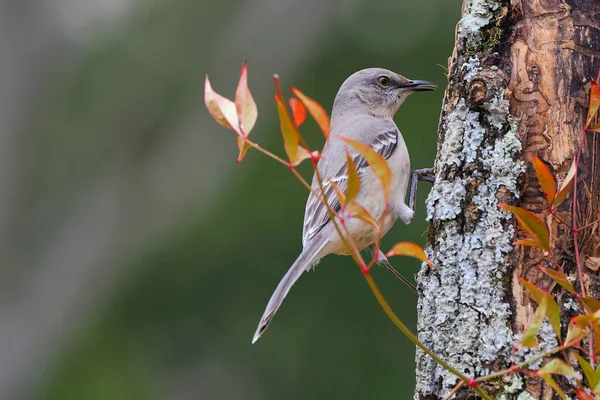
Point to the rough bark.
(518, 83)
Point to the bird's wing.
(316, 215)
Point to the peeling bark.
(518, 83)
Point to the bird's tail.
(304, 260)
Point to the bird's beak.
(419, 86)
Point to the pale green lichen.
(526, 396)
(463, 314)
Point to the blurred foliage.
(180, 321)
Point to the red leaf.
(222, 110)
(559, 278)
(552, 312)
(546, 179)
(298, 111)
(291, 137)
(315, 110)
(531, 224)
(582, 394)
(353, 179)
(377, 163)
(244, 103)
(411, 250)
(594, 104)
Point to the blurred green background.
(137, 254)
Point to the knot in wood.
(534, 74)
(477, 92)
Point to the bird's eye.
(383, 80)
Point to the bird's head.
(375, 91)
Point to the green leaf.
(559, 278)
(291, 137)
(552, 383)
(377, 163)
(574, 333)
(531, 224)
(411, 250)
(594, 103)
(546, 179)
(246, 107)
(353, 179)
(559, 367)
(529, 338)
(552, 311)
(588, 371)
(315, 110)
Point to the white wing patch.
(316, 215)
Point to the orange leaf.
(594, 104)
(359, 212)
(353, 179)
(584, 320)
(596, 332)
(552, 311)
(527, 242)
(595, 128)
(559, 278)
(546, 179)
(531, 224)
(377, 163)
(222, 109)
(243, 146)
(244, 103)
(591, 304)
(565, 187)
(529, 338)
(298, 111)
(411, 250)
(315, 110)
(291, 137)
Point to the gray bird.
(363, 110)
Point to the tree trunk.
(518, 86)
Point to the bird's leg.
(425, 174)
(382, 260)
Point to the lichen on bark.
(463, 312)
(518, 80)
